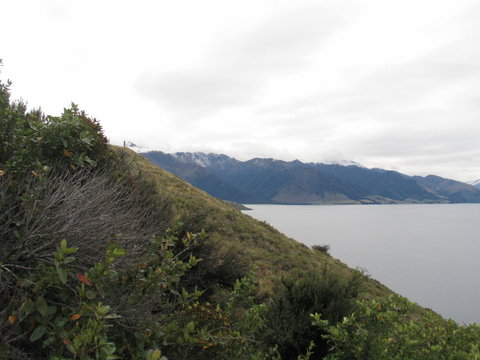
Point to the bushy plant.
(386, 329)
(220, 268)
(54, 311)
(58, 309)
(73, 139)
(321, 248)
(33, 142)
(87, 207)
(288, 317)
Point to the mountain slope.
(455, 191)
(194, 171)
(293, 182)
(389, 184)
(475, 183)
(257, 180)
(272, 253)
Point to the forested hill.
(294, 182)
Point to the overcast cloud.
(392, 84)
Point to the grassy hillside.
(271, 252)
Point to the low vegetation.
(103, 255)
(385, 329)
(322, 248)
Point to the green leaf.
(61, 322)
(156, 354)
(62, 274)
(71, 250)
(27, 307)
(69, 260)
(50, 340)
(37, 333)
(41, 306)
(52, 310)
(190, 326)
(119, 252)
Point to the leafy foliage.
(289, 325)
(220, 268)
(31, 141)
(55, 311)
(386, 330)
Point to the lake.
(428, 253)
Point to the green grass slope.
(269, 252)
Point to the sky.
(389, 84)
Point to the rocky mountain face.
(294, 182)
(455, 191)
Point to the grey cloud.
(387, 117)
(395, 98)
(238, 70)
(246, 150)
(441, 151)
(199, 90)
(283, 43)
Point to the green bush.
(321, 248)
(33, 142)
(73, 139)
(219, 268)
(386, 329)
(57, 310)
(288, 316)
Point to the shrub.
(88, 208)
(73, 139)
(106, 313)
(218, 269)
(31, 141)
(385, 329)
(321, 248)
(288, 316)
(56, 310)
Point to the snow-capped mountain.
(475, 183)
(294, 182)
(135, 147)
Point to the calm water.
(428, 253)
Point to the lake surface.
(428, 253)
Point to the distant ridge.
(475, 183)
(294, 182)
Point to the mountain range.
(273, 181)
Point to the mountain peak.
(204, 159)
(475, 183)
(268, 180)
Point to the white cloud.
(237, 71)
(385, 83)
